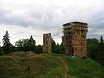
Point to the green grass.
(20, 65)
(84, 68)
(36, 66)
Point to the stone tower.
(74, 38)
(47, 43)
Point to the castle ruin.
(47, 43)
(74, 38)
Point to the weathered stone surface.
(74, 38)
(47, 43)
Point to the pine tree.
(32, 44)
(101, 51)
(101, 44)
(6, 43)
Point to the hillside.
(28, 65)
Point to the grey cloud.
(96, 23)
(18, 33)
(3, 13)
(47, 18)
(57, 34)
(44, 18)
(6, 17)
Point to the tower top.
(70, 23)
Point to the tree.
(1, 52)
(58, 49)
(19, 45)
(32, 44)
(6, 40)
(92, 47)
(62, 49)
(53, 46)
(26, 44)
(101, 44)
(96, 49)
(100, 57)
(6, 43)
(39, 49)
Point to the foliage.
(100, 57)
(32, 44)
(26, 44)
(96, 49)
(62, 49)
(39, 49)
(6, 41)
(1, 52)
(92, 47)
(53, 47)
(7, 46)
(57, 48)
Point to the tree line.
(27, 45)
(95, 47)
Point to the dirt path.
(63, 61)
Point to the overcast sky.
(23, 18)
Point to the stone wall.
(47, 43)
(74, 38)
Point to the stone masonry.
(74, 38)
(47, 43)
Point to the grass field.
(22, 65)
